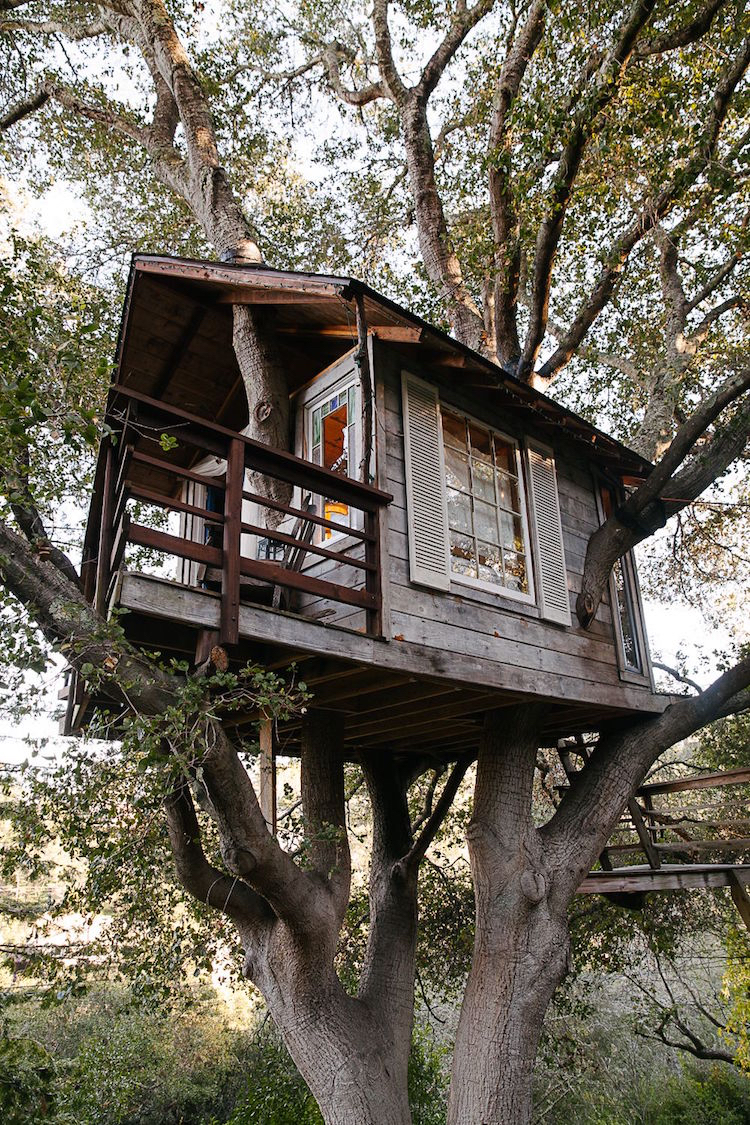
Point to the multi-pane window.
(486, 515)
(333, 442)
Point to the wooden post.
(268, 774)
(106, 531)
(373, 579)
(230, 566)
(643, 834)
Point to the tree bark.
(521, 943)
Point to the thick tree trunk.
(521, 944)
(344, 1051)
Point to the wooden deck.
(391, 692)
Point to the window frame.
(309, 404)
(529, 597)
(627, 672)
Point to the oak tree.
(572, 178)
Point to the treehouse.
(416, 550)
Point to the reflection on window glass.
(486, 521)
(333, 440)
(624, 585)
(631, 651)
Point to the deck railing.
(157, 478)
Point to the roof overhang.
(177, 328)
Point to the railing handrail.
(276, 462)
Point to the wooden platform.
(392, 692)
(671, 877)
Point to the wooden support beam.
(704, 781)
(267, 795)
(740, 897)
(672, 878)
(180, 350)
(230, 563)
(644, 835)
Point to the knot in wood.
(533, 885)
(263, 410)
(239, 860)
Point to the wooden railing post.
(106, 530)
(373, 579)
(230, 564)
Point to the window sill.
(474, 590)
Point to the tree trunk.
(344, 1051)
(521, 944)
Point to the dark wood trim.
(276, 462)
(277, 576)
(313, 548)
(174, 545)
(300, 513)
(230, 564)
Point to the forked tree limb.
(651, 213)
(603, 88)
(200, 878)
(649, 507)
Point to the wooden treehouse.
(422, 564)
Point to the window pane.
(456, 469)
(507, 492)
(459, 511)
(485, 522)
(481, 443)
(515, 571)
(316, 426)
(316, 454)
(352, 401)
(505, 456)
(511, 534)
(629, 639)
(462, 555)
(484, 482)
(490, 564)
(454, 430)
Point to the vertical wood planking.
(230, 568)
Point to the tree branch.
(200, 878)
(666, 491)
(605, 86)
(714, 282)
(651, 213)
(681, 36)
(505, 220)
(463, 22)
(323, 803)
(73, 31)
(24, 108)
(419, 848)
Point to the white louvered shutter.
(553, 581)
(429, 562)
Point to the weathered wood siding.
(501, 632)
(485, 624)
